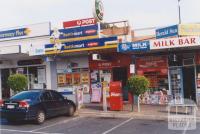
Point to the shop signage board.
(189, 41)
(167, 32)
(83, 45)
(189, 29)
(134, 46)
(73, 34)
(10, 49)
(35, 30)
(80, 22)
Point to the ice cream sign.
(189, 41)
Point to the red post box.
(116, 100)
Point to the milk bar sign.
(189, 41)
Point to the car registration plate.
(10, 106)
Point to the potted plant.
(17, 82)
(137, 85)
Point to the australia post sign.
(81, 22)
(188, 41)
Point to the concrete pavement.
(155, 112)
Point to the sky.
(139, 13)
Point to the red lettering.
(180, 42)
(187, 41)
(171, 42)
(156, 44)
(193, 40)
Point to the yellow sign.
(189, 29)
(108, 46)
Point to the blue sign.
(167, 32)
(14, 33)
(78, 45)
(76, 32)
(134, 46)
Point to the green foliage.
(138, 84)
(17, 82)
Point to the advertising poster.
(77, 78)
(96, 92)
(69, 79)
(84, 78)
(61, 79)
(95, 76)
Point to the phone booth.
(116, 99)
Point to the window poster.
(69, 79)
(96, 92)
(84, 78)
(61, 79)
(86, 89)
(95, 76)
(77, 78)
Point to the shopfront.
(172, 67)
(113, 67)
(15, 56)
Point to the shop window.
(77, 76)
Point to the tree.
(17, 82)
(138, 85)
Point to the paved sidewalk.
(156, 112)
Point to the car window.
(26, 95)
(56, 96)
(46, 96)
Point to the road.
(92, 125)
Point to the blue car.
(36, 105)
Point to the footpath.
(151, 112)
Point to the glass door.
(176, 82)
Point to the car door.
(59, 102)
(48, 103)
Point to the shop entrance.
(120, 74)
(4, 78)
(189, 82)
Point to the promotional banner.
(134, 46)
(36, 30)
(83, 45)
(80, 22)
(188, 41)
(189, 29)
(167, 32)
(73, 34)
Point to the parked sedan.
(36, 105)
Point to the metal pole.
(179, 11)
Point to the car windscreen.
(26, 95)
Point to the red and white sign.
(175, 42)
(81, 22)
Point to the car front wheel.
(71, 110)
(40, 118)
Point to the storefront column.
(0, 86)
(51, 75)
